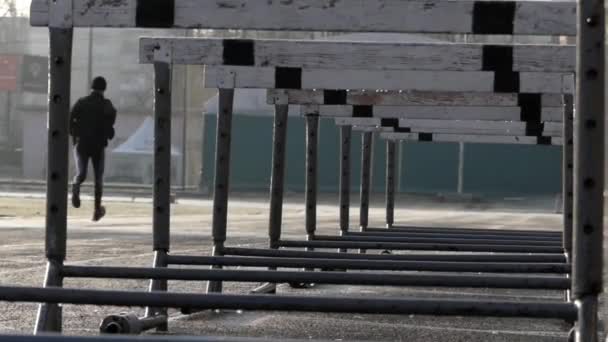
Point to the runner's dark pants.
(97, 157)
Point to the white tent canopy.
(142, 141)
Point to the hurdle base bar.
(444, 307)
(127, 338)
(384, 232)
(419, 246)
(475, 257)
(385, 265)
(130, 324)
(334, 278)
(396, 228)
(458, 241)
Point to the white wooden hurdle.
(439, 16)
(486, 74)
(232, 63)
(218, 56)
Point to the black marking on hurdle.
(394, 124)
(534, 128)
(389, 122)
(531, 112)
(425, 136)
(288, 78)
(334, 97)
(499, 59)
(363, 111)
(531, 106)
(542, 140)
(154, 13)
(506, 82)
(495, 17)
(238, 52)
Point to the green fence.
(507, 170)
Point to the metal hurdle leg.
(589, 168)
(366, 171)
(277, 183)
(312, 141)
(162, 179)
(567, 166)
(366, 175)
(155, 317)
(390, 183)
(49, 317)
(310, 197)
(277, 178)
(344, 193)
(222, 173)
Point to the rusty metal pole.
(366, 175)
(277, 177)
(344, 192)
(312, 141)
(222, 177)
(589, 143)
(162, 180)
(567, 167)
(49, 317)
(390, 183)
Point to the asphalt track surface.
(123, 238)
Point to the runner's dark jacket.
(92, 122)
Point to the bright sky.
(23, 6)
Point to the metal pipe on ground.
(292, 303)
(371, 232)
(471, 231)
(342, 278)
(477, 257)
(130, 324)
(420, 246)
(374, 238)
(416, 265)
(147, 338)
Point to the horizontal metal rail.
(336, 278)
(470, 230)
(361, 305)
(477, 257)
(421, 246)
(375, 238)
(147, 338)
(468, 236)
(417, 265)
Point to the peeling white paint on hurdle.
(364, 55)
(469, 138)
(296, 64)
(457, 130)
(444, 126)
(502, 113)
(443, 81)
(415, 16)
(377, 97)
